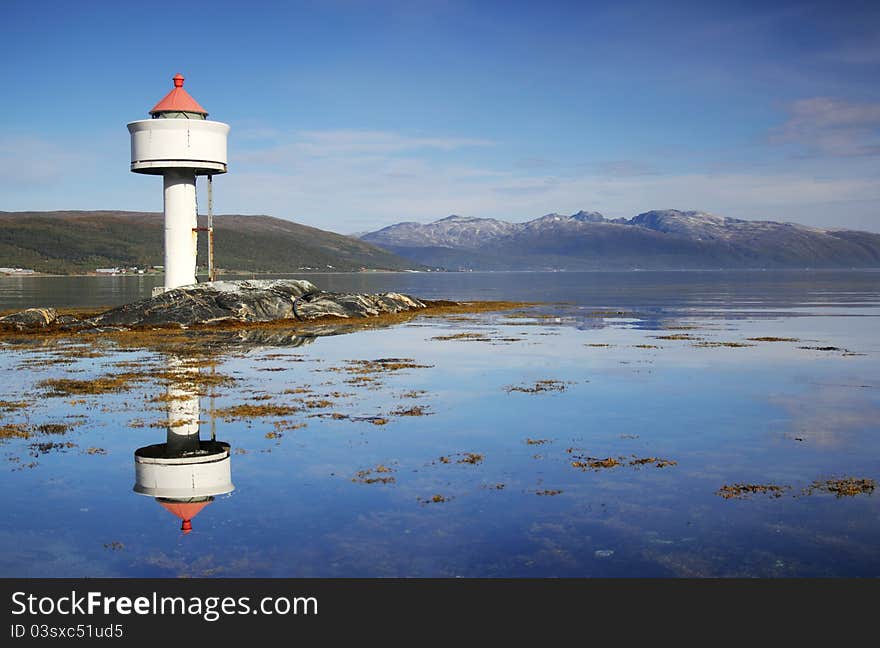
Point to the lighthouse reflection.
(184, 473)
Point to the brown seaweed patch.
(96, 451)
(417, 410)
(822, 348)
(769, 338)
(269, 357)
(191, 380)
(285, 425)
(53, 428)
(472, 458)
(11, 406)
(537, 441)
(646, 346)
(367, 372)
(594, 463)
(598, 344)
(175, 423)
(246, 411)
(677, 336)
(167, 398)
(659, 463)
(100, 385)
(744, 491)
(435, 499)
(845, 487)
(36, 449)
(375, 420)
(383, 365)
(379, 475)
(317, 403)
(413, 393)
(547, 385)
(463, 337)
(14, 431)
(548, 492)
(732, 345)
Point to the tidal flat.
(542, 440)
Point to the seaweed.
(546, 385)
(417, 410)
(369, 475)
(246, 411)
(744, 491)
(845, 487)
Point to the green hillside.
(69, 242)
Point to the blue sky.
(350, 116)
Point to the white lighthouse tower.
(184, 473)
(179, 143)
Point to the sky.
(351, 116)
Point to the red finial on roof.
(178, 100)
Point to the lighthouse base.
(181, 238)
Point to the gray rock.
(250, 301)
(32, 318)
(223, 301)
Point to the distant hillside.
(80, 241)
(660, 239)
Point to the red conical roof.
(186, 511)
(178, 100)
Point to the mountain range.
(81, 241)
(659, 239)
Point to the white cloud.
(295, 146)
(832, 127)
(362, 181)
(28, 162)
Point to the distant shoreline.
(245, 275)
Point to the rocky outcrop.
(225, 301)
(32, 318)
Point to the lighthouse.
(179, 143)
(186, 472)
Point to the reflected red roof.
(186, 511)
(178, 100)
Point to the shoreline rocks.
(223, 301)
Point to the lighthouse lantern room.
(179, 143)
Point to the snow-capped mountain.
(666, 238)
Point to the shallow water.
(772, 413)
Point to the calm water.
(525, 501)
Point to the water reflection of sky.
(771, 413)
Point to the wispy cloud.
(355, 188)
(335, 142)
(625, 168)
(30, 162)
(832, 127)
(363, 144)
